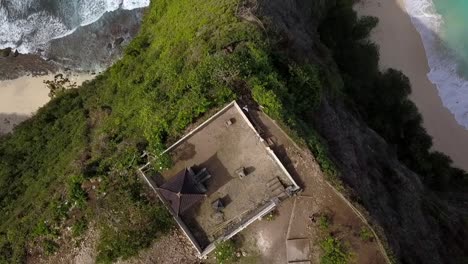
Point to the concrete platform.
(298, 250)
(245, 176)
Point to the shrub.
(364, 26)
(77, 195)
(225, 252)
(42, 229)
(268, 100)
(271, 216)
(324, 222)
(366, 234)
(333, 252)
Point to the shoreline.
(401, 47)
(22, 97)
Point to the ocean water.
(29, 25)
(443, 26)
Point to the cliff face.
(419, 227)
(296, 22)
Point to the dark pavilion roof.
(181, 192)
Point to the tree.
(59, 85)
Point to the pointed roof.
(180, 192)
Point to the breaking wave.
(446, 65)
(28, 25)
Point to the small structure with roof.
(183, 191)
(224, 177)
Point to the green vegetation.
(79, 227)
(74, 163)
(49, 247)
(333, 252)
(271, 216)
(114, 245)
(77, 195)
(382, 100)
(324, 222)
(366, 234)
(59, 85)
(225, 252)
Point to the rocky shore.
(14, 65)
(79, 56)
(89, 49)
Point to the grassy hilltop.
(190, 57)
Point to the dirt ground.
(295, 216)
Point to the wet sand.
(401, 48)
(22, 97)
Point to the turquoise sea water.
(443, 26)
(454, 30)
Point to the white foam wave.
(28, 31)
(452, 88)
(134, 4)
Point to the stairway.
(276, 188)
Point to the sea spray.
(444, 49)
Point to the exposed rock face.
(297, 22)
(90, 48)
(419, 227)
(96, 46)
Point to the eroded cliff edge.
(418, 225)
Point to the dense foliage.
(73, 165)
(382, 97)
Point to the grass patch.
(49, 247)
(79, 227)
(366, 234)
(225, 252)
(324, 222)
(125, 241)
(334, 251)
(271, 216)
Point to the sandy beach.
(401, 48)
(20, 98)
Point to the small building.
(224, 177)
